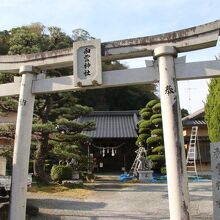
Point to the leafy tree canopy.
(212, 110)
(119, 98)
(184, 112)
(51, 110)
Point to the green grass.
(69, 190)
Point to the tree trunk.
(39, 162)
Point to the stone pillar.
(215, 164)
(145, 175)
(173, 135)
(22, 145)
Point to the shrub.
(60, 172)
(157, 131)
(146, 115)
(151, 124)
(155, 116)
(145, 124)
(151, 103)
(142, 139)
(157, 121)
(157, 107)
(154, 141)
(159, 149)
(145, 110)
(137, 142)
(73, 185)
(141, 121)
(163, 170)
(144, 131)
(157, 162)
(156, 157)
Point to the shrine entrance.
(86, 59)
(113, 140)
(111, 157)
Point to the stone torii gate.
(86, 59)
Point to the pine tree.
(151, 134)
(116, 99)
(212, 110)
(52, 112)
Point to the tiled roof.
(196, 118)
(195, 115)
(194, 122)
(112, 124)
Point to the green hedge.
(145, 124)
(157, 121)
(157, 162)
(163, 170)
(155, 116)
(60, 172)
(151, 133)
(155, 157)
(142, 138)
(146, 115)
(145, 110)
(144, 131)
(154, 141)
(141, 121)
(157, 131)
(157, 107)
(159, 149)
(152, 103)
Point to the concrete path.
(113, 201)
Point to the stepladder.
(137, 162)
(193, 154)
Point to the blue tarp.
(125, 177)
(159, 178)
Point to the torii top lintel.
(194, 38)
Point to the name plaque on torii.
(87, 64)
(165, 68)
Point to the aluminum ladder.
(192, 153)
(135, 166)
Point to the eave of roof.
(196, 114)
(196, 118)
(194, 123)
(112, 124)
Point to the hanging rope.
(108, 147)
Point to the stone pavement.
(113, 201)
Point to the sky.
(111, 20)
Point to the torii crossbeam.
(165, 69)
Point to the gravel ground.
(113, 201)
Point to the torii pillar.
(173, 136)
(22, 145)
(194, 38)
